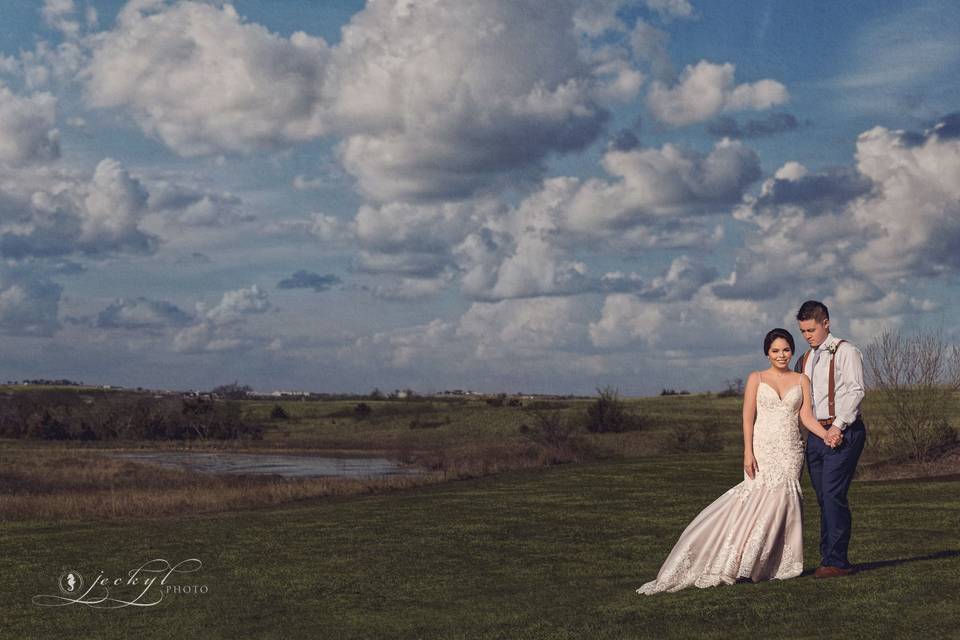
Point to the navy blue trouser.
(831, 471)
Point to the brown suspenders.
(831, 393)
(832, 384)
(803, 360)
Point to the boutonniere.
(832, 348)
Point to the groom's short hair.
(813, 310)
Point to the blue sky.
(503, 196)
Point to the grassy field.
(71, 480)
(551, 553)
(499, 543)
(449, 439)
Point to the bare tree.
(550, 428)
(915, 378)
(609, 413)
(734, 388)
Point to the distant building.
(289, 394)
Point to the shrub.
(279, 413)
(608, 413)
(233, 391)
(48, 427)
(550, 429)
(944, 437)
(362, 410)
(498, 400)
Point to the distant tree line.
(62, 382)
(232, 391)
(58, 415)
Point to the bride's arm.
(749, 416)
(807, 418)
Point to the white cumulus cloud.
(53, 213)
(430, 100)
(438, 99)
(706, 89)
(221, 327)
(27, 128)
(202, 80)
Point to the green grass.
(474, 423)
(552, 553)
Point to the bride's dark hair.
(773, 334)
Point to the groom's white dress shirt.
(848, 375)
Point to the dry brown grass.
(64, 481)
(59, 485)
(56, 482)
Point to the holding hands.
(833, 437)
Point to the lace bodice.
(789, 403)
(777, 440)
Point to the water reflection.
(290, 466)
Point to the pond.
(290, 466)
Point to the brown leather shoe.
(831, 572)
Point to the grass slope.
(554, 553)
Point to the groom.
(835, 369)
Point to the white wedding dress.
(754, 530)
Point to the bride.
(754, 530)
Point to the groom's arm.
(850, 387)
